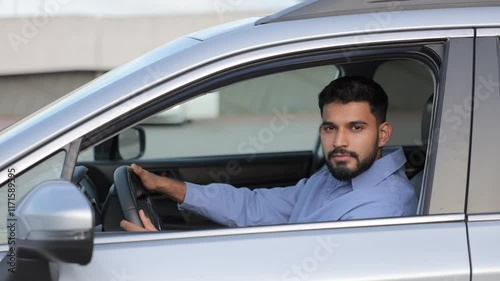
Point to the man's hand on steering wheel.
(148, 225)
(128, 190)
(149, 180)
(175, 189)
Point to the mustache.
(342, 151)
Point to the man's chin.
(342, 175)
(340, 172)
(345, 165)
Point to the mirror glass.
(129, 144)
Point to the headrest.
(426, 120)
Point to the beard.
(342, 172)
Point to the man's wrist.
(173, 188)
(162, 185)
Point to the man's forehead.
(347, 112)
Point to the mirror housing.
(53, 224)
(128, 145)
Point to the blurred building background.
(50, 47)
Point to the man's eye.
(356, 128)
(328, 128)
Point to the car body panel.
(483, 231)
(484, 194)
(483, 200)
(282, 253)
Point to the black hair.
(356, 89)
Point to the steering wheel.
(134, 197)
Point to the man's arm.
(232, 206)
(224, 203)
(170, 187)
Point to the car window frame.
(204, 86)
(446, 173)
(208, 82)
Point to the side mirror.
(53, 224)
(128, 145)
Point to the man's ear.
(384, 133)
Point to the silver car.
(65, 185)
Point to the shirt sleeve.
(232, 206)
(373, 210)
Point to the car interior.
(409, 84)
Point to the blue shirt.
(381, 191)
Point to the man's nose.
(341, 139)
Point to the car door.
(430, 246)
(483, 204)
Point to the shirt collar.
(393, 158)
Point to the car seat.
(416, 181)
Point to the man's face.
(350, 138)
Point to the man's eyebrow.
(358, 122)
(327, 123)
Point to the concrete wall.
(84, 43)
(44, 58)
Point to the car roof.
(326, 8)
